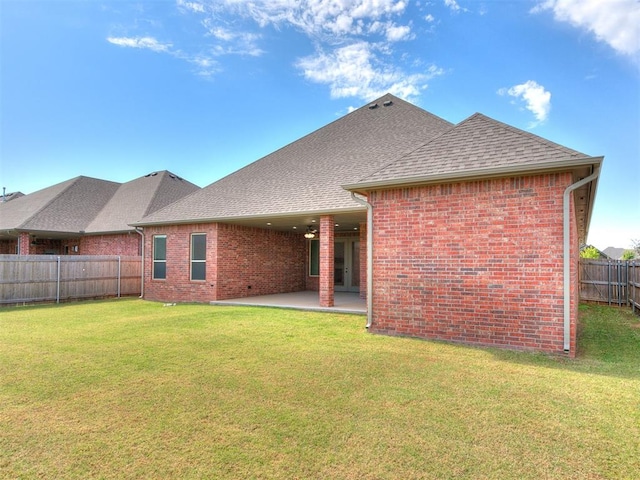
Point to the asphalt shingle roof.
(614, 252)
(91, 205)
(475, 144)
(306, 175)
(66, 207)
(137, 198)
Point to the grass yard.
(132, 389)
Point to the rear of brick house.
(470, 240)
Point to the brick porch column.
(327, 225)
(363, 260)
(24, 243)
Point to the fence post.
(119, 276)
(609, 283)
(633, 284)
(58, 283)
(619, 284)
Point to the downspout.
(369, 256)
(141, 232)
(566, 233)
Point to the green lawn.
(132, 389)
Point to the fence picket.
(36, 278)
(610, 281)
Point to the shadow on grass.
(608, 344)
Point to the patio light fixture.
(310, 233)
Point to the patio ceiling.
(345, 221)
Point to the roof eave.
(477, 174)
(142, 223)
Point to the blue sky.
(117, 89)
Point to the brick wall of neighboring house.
(125, 244)
(237, 258)
(8, 247)
(474, 262)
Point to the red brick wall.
(254, 261)
(178, 287)
(475, 262)
(8, 247)
(237, 257)
(363, 260)
(126, 244)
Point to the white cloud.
(397, 33)
(193, 6)
(616, 22)
(356, 71)
(537, 100)
(320, 17)
(453, 5)
(205, 64)
(354, 40)
(430, 18)
(232, 42)
(149, 43)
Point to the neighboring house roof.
(614, 253)
(7, 197)
(137, 198)
(91, 205)
(66, 207)
(306, 175)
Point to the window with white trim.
(159, 257)
(198, 256)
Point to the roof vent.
(388, 103)
(372, 106)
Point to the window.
(198, 256)
(314, 258)
(159, 257)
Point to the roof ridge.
(71, 181)
(163, 176)
(524, 133)
(104, 206)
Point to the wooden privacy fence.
(38, 278)
(616, 282)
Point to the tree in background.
(636, 246)
(590, 252)
(628, 255)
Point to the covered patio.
(344, 302)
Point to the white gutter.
(369, 256)
(566, 233)
(141, 232)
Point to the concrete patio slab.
(343, 302)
